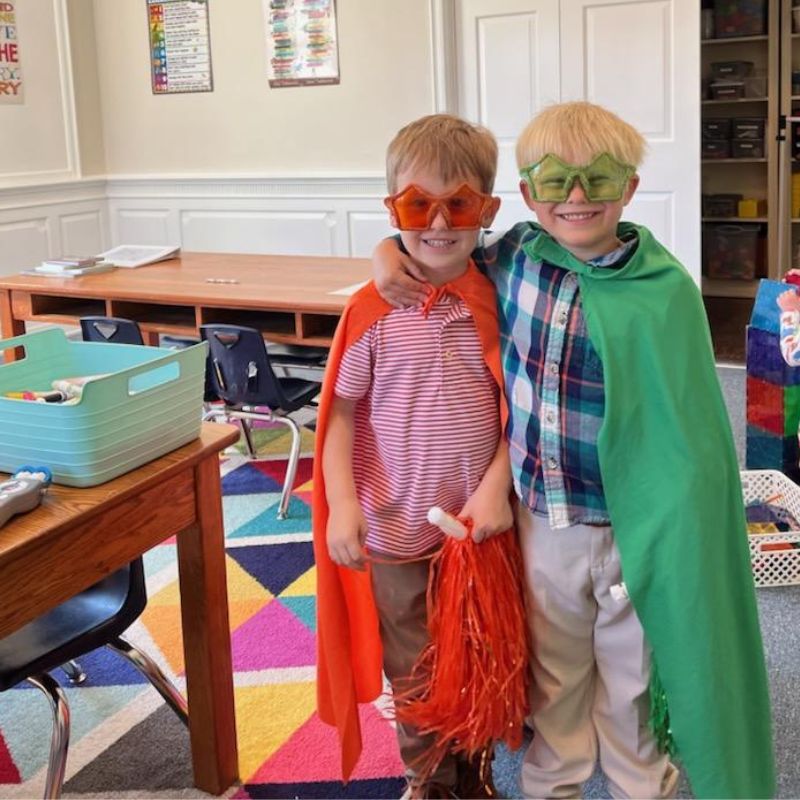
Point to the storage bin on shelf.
(775, 557)
(740, 18)
(733, 251)
(146, 402)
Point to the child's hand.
(789, 300)
(346, 533)
(398, 278)
(490, 512)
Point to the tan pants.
(399, 591)
(591, 669)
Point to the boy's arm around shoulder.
(347, 526)
(397, 276)
(497, 248)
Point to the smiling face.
(442, 252)
(586, 228)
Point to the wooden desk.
(77, 536)
(288, 298)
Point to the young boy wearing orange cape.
(409, 418)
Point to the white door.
(640, 58)
(508, 66)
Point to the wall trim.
(216, 186)
(51, 193)
(443, 48)
(68, 110)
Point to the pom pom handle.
(447, 523)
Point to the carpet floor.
(126, 743)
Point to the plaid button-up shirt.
(553, 377)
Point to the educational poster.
(10, 69)
(180, 46)
(301, 42)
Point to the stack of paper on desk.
(137, 255)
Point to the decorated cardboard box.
(773, 390)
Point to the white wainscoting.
(336, 216)
(43, 221)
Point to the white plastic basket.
(773, 567)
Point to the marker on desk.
(222, 280)
(39, 397)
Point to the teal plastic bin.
(148, 402)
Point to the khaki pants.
(591, 669)
(399, 591)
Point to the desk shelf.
(277, 326)
(172, 319)
(57, 309)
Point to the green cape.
(673, 492)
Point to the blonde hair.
(447, 145)
(576, 132)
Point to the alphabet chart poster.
(180, 46)
(10, 69)
(302, 47)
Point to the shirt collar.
(619, 255)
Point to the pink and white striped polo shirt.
(428, 423)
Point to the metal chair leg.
(153, 673)
(291, 465)
(59, 742)
(247, 433)
(74, 672)
(244, 417)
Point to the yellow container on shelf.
(796, 194)
(752, 207)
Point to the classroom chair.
(240, 370)
(110, 329)
(96, 617)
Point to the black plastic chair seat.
(84, 622)
(296, 394)
(240, 371)
(292, 354)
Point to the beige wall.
(35, 136)
(244, 126)
(89, 120)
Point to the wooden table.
(77, 536)
(288, 298)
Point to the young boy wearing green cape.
(646, 640)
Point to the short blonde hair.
(576, 132)
(447, 145)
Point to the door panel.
(639, 58)
(507, 69)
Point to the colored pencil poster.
(180, 46)
(10, 69)
(302, 47)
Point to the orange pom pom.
(469, 687)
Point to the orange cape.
(349, 652)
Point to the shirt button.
(550, 417)
(552, 463)
(553, 368)
(562, 318)
(448, 353)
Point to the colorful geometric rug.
(126, 743)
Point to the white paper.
(348, 290)
(137, 255)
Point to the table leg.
(206, 637)
(9, 327)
